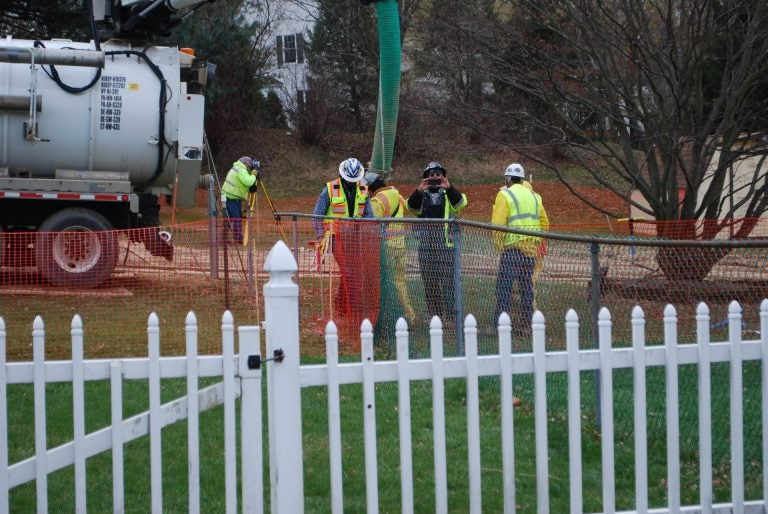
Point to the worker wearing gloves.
(345, 197)
(387, 203)
(517, 206)
(240, 179)
(436, 197)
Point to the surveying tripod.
(251, 206)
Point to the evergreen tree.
(343, 54)
(45, 19)
(228, 34)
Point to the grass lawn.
(316, 458)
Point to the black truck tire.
(76, 247)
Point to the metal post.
(594, 250)
(213, 239)
(295, 229)
(456, 238)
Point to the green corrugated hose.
(389, 86)
(383, 148)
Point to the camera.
(434, 181)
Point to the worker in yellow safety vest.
(388, 203)
(343, 198)
(240, 179)
(518, 207)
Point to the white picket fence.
(286, 378)
(244, 383)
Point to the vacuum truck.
(92, 135)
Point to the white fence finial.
(504, 320)
(280, 259)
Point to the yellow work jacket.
(238, 180)
(519, 207)
(388, 203)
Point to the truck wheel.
(76, 247)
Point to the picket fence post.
(281, 315)
(4, 503)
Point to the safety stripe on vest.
(384, 199)
(518, 216)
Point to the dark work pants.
(235, 215)
(436, 267)
(515, 266)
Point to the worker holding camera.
(435, 197)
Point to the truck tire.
(76, 247)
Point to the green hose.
(383, 148)
(389, 86)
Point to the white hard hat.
(351, 170)
(515, 170)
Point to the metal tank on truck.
(92, 134)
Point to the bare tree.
(646, 95)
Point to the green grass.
(316, 456)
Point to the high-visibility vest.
(238, 180)
(338, 207)
(394, 207)
(523, 214)
(448, 212)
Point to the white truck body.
(91, 135)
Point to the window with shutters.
(290, 49)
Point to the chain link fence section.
(381, 270)
(450, 269)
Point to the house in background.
(740, 181)
(290, 25)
